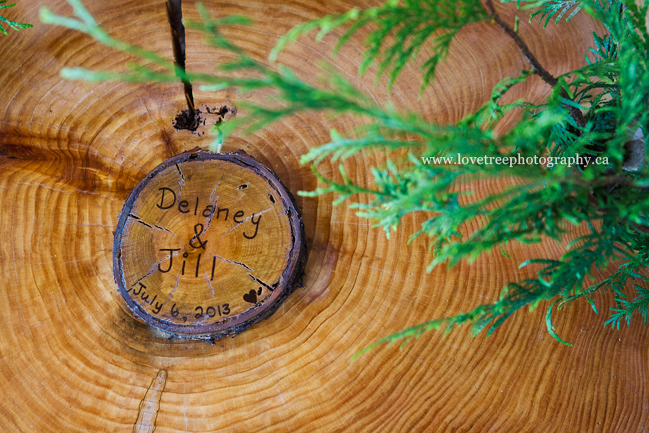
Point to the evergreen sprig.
(626, 308)
(548, 10)
(592, 111)
(13, 24)
(402, 29)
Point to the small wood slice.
(207, 245)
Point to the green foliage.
(627, 308)
(628, 272)
(403, 27)
(13, 24)
(607, 199)
(551, 329)
(551, 9)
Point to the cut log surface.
(74, 358)
(192, 257)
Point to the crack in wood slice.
(150, 405)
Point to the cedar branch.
(533, 61)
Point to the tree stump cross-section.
(72, 357)
(207, 245)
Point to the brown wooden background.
(73, 360)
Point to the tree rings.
(207, 245)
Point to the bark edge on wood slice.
(201, 205)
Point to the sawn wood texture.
(73, 358)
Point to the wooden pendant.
(207, 245)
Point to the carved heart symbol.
(251, 297)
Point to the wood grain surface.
(246, 230)
(72, 357)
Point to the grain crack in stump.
(215, 203)
(261, 282)
(243, 265)
(151, 225)
(181, 181)
(150, 405)
(186, 217)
